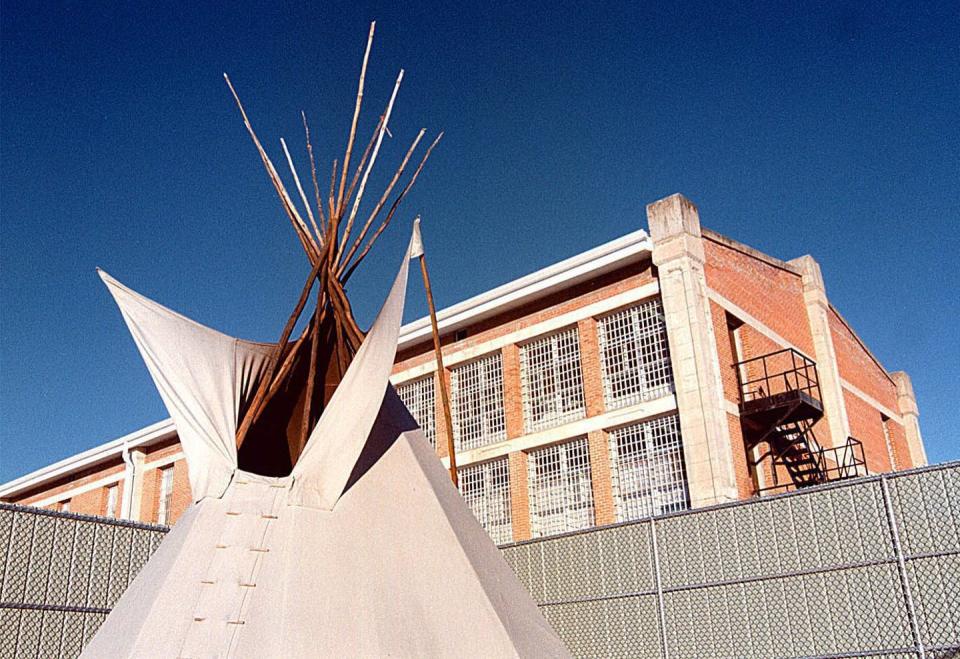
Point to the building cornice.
(155, 432)
(569, 272)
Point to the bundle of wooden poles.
(335, 241)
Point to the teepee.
(323, 523)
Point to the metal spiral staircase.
(779, 406)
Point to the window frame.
(477, 386)
(552, 381)
(634, 352)
(560, 488)
(491, 497)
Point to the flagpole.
(444, 394)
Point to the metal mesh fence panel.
(634, 357)
(864, 568)
(420, 398)
(60, 574)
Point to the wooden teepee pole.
(444, 394)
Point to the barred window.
(552, 380)
(561, 490)
(166, 495)
(112, 501)
(634, 355)
(420, 398)
(477, 393)
(648, 470)
(486, 489)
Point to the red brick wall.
(519, 496)
(866, 425)
(590, 366)
(512, 395)
(898, 442)
(728, 373)
(745, 486)
(772, 295)
(73, 482)
(600, 475)
(857, 366)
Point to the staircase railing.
(776, 373)
(835, 463)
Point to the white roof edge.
(599, 260)
(595, 261)
(144, 436)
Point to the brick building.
(650, 374)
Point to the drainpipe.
(129, 473)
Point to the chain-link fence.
(862, 568)
(60, 574)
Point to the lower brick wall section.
(898, 441)
(745, 485)
(599, 446)
(519, 496)
(717, 582)
(866, 425)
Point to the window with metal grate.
(561, 489)
(648, 472)
(420, 398)
(111, 510)
(634, 357)
(486, 489)
(165, 499)
(476, 390)
(552, 380)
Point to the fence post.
(901, 567)
(661, 612)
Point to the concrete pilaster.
(910, 413)
(818, 309)
(679, 257)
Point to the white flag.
(416, 242)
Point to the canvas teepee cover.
(365, 549)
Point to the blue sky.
(825, 129)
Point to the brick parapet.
(773, 295)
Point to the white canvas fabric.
(202, 375)
(366, 549)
